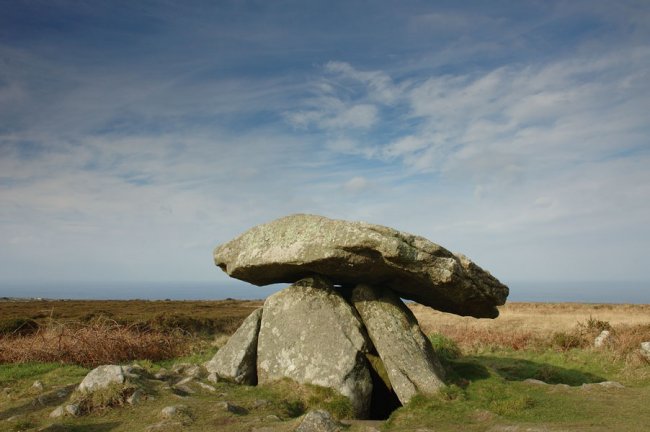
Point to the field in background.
(537, 318)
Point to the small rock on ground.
(261, 403)
(232, 408)
(186, 380)
(172, 411)
(602, 339)
(164, 426)
(535, 382)
(73, 409)
(606, 384)
(58, 412)
(135, 398)
(645, 349)
(319, 421)
(213, 377)
(205, 386)
(38, 386)
(187, 369)
(162, 375)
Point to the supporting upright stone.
(310, 334)
(408, 357)
(236, 361)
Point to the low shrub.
(93, 344)
(566, 341)
(18, 326)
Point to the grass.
(487, 362)
(489, 390)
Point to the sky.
(137, 136)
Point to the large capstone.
(349, 253)
(408, 357)
(310, 334)
(236, 360)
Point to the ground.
(490, 364)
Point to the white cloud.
(356, 184)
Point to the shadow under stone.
(383, 400)
(520, 370)
(45, 400)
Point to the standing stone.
(408, 357)
(348, 253)
(236, 360)
(310, 334)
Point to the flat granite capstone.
(348, 253)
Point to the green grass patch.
(50, 372)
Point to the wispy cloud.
(516, 134)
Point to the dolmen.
(342, 323)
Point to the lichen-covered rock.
(408, 357)
(236, 361)
(104, 376)
(309, 333)
(319, 421)
(349, 253)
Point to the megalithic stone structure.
(344, 306)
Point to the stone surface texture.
(310, 334)
(236, 360)
(319, 421)
(408, 357)
(645, 349)
(103, 376)
(602, 339)
(348, 253)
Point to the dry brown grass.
(99, 342)
(543, 325)
(207, 317)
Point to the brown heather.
(98, 332)
(98, 342)
(531, 326)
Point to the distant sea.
(581, 292)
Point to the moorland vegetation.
(535, 367)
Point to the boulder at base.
(408, 357)
(349, 253)
(103, 376)
(236, 360)
(310, 334)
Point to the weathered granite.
(408, 357)
(310, 334)
(104, 376)
(349, 253)
(319, 421)
(236, 360)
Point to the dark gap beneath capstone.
(383, 400)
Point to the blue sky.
(136, 136)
